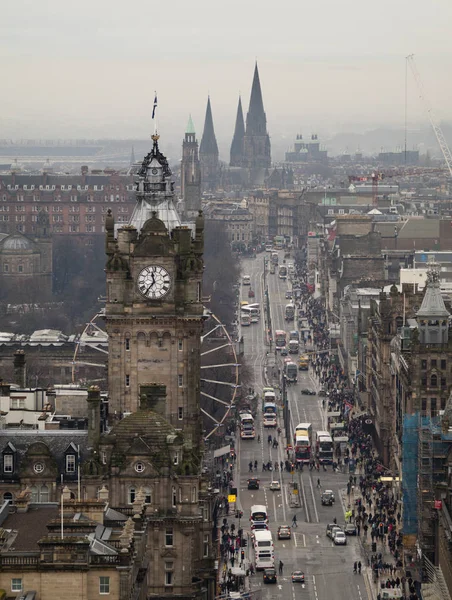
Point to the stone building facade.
(75, 204)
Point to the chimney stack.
(93, 417)
(20, 371)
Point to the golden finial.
(155, 137)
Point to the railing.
(107, 559)
(19, 560)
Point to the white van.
(258, 513)
(263, 541)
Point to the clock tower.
(154, 314)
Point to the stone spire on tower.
(208, 152)
(132, 157)
(190, 173)
(237, 140)
(256, 142)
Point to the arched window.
(132, 494)
(34, 494)
(7, 497)
(44, 494)
(433, 381)
(147, 495)
(399, 322)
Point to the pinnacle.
(208, 140)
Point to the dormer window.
(8, 463)
(70, 463)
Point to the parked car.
(307, 392)
(339, 538)
(298, 577)
(350, 529)
(284, 532)
(275, 486)
(253, 483)
(331, 528)
(270, 576)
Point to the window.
(180, 345)
(20, 269)
(147, 495)
(424, 381)
(103, 457)
(176, 458)
(423, 364)
(70, 463)
(169, 536)
(127, 380)
(132, 494)
(8, 463)
(8, 497)
(169, 573)
(39, 467)
(433, 363)
(104, 585)
(433, 381)
(16, 584)
(443, 403)
(174, 497)
(127, 343)
(433, 407)
(139, 467)
(205, 545)
(443, 382)
(180, 380)
(6, 268)
(193, 494)
(180, 413)
(424, 405)
(443, 364)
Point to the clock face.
(154, 282)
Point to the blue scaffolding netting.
(409, 473)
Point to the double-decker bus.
(324, 447)
(290, 371)
(303, 441)
(280, 339)
(278, 242)
(247, 431)
(245, 319)
(282, 272)
(290, 312)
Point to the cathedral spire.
(256, 121)
(237, 140)
(208, 153)
(208, 140)
(190, 127)
(132, 157)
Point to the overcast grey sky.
(89, 68)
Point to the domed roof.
(17, 242)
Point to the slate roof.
(31, 526)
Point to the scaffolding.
(426, 493)
(409, 475)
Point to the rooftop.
(29, 527)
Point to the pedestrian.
(355, 567)
(318, 484)
(294, 521)
(281, 565)
(359, 567)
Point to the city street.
(328, 568)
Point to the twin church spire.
(250, 148)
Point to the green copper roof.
(190, 127)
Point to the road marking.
(284, 545)
(317, 539)
(359, 591)
(315, 586)
(313, 501)
(295, 540)
(304, 540)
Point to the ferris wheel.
(219, 375)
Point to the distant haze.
(89, 69)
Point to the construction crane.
(431, 117)
(375, 177)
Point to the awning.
(222, 451)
